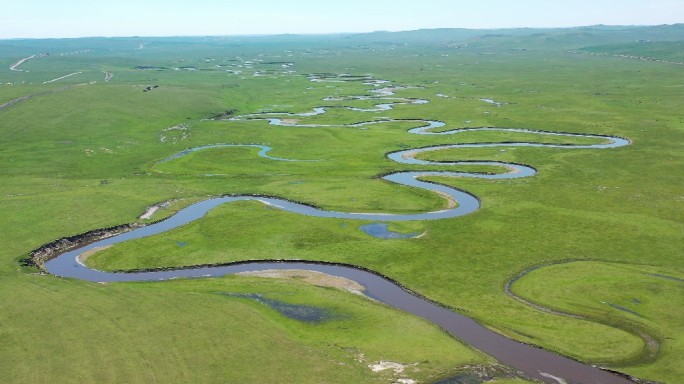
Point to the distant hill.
(473, 40)
(531, 38)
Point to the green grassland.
(191, 331)
(83, 153)
(628, 295)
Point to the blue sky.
(76, 18)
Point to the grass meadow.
(605, 226)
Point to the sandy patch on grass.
(409, 155)
(451, 202)
(289, 121)
(81, 259)
(398, 368)
(310, 277)
(149, 212)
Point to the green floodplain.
(583, 259)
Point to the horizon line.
(341, 33)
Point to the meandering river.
(535, 362)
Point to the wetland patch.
(382, 231)
(299, 312)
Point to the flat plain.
(583, 259)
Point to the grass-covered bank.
(86, 158)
